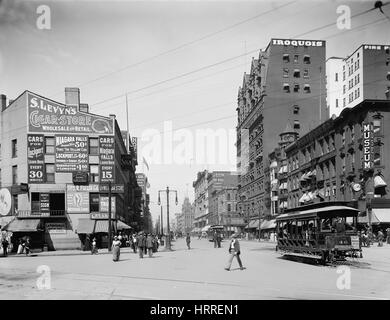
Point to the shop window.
(377, 126)
(49, 145)
(93, 146)
(35, 202)
(15, 202)
(94, 202)
(94, 173)
(14, 148)
(49, 172)
(377, 155)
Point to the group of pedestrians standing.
(143, 243)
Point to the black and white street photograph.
(209, 152)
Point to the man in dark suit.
(234, 251)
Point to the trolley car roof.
(329, 211)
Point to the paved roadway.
(192, 274)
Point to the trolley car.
(323, 231)
(215, 228)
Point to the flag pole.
(127, 124)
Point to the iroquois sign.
(368, 144)
(288, 42)
(48, 116)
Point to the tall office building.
(286, 84)
(365, 74)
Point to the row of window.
(306, 58)
(296, 88)
(296, 73)
(50, 146)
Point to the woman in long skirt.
(116, 249)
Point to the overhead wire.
(221, 62)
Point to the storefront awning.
(379, 215)
(274, 164)
(268, 224)
(85, 226)
(123, 226)
(4, 221)
(205, 228)
(379, 182)
(253, 224)
(24, 225)
(102, 226)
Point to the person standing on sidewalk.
(215, 238)
(116, 249)
(94, 247)
(141, 241)
(234, 251)
(149, 244)
(380, 238)
(5, 245)
(188, 241)
(388, 235)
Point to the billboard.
(45, 115)
(35, 158)
(71, 153)
(107, 158)
(77, 201)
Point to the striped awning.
(24, 225)
(253, 224)
(268, 224)
(102, 226)
(122, 226)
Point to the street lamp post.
(168, 242)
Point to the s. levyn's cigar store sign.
(48, 116)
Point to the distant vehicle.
(324, 231)
(213, 228)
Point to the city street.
(192, 274)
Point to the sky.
(180, 63)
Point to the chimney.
(3, 101)
(84, 107)
(72, 97)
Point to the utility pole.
(162, 221)
(168, 241)
(109, 217)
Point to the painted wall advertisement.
(44, 204)
(35, 158)
(71, 153)
(77, 200)
(107, 158)
(45, 115)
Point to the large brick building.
(346, 158)
(56, 163)
(285, 84)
